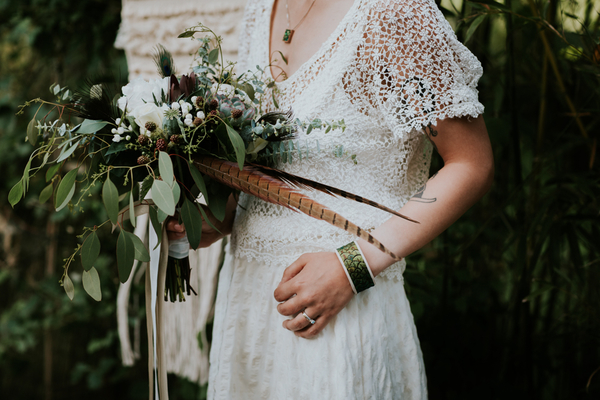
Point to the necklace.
(287, 35)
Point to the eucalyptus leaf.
(192, 221)
(198, 180)
(238, 145)
(162, 216)
(46, 193)
(66, 190)
(68, 286)
(207, 220)
(132, 209)
(156, 225)
(52, 171)
(141, 252)
(125, 255)
(186, 34)
(67, 153)
(165, 167)
(91, 126)
(110, 198)
(90, 250)
(32, 132)
(162, 195)
(176, 192)
(91, 284)
(15, 194)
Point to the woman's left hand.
(321, 290)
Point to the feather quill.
(258, 182)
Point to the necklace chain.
(289, 32)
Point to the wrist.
(377, 260)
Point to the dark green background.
(507, 301)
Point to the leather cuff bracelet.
(355, 265)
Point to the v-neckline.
(325, 45)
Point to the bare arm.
(318, 279)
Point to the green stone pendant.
(287, 36)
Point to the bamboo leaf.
(46, 193)
(165, 167)
(163, 197)
(198, 180)
(68, 286)
(141, 253)
(91, 284)
(132, 209)
(125, 255)
(238, 145)
(474, 26)
(110, 198)
(90, 250)
(66, 190)
(192, 221)
(91, 126)
(32, 132)
(15, 194)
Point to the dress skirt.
(370, 350)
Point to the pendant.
(287, 35)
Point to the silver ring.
(309, 319)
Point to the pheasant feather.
(258, 182)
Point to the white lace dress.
(389, 69)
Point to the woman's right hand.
(175, 230)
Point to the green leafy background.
(507, 301)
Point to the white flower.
(189, 116)
(113, 131)
(140, 91)
(175, 106)
(223, 89)
(194, 98)
(118, 121)
(127, 137)
(188, 122)
(121, 130)
(200, 114)
(117, 138)
(148, 112)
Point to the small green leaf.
(66, 190)
(91, 284)
(207, 220)
(32, 132)
(156, 224)
(52, 171)
(199, 180)
(110, 198)
(15, 194)
(46, 193)
(125, 255)
(91, 126)
(141, 253)
(186, 34)
(218, 202)
(162, 216)
(474, 26)
(213, 56)
(163, 197)
(238, 145)
(90, 250)
(165, 167)
(131, 209)
(192, 221)
(68, 286)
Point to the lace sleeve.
(411, 67)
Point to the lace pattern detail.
(389, 70)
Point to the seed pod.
(161, 144)
(143, 160)
(142, 139)
(236, 113)
(151, 126)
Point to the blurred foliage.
(507, 301)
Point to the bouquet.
(179, 137)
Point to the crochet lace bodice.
(389, 69)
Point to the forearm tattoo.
(418, 197)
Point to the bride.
(293, 318)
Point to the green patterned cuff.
(356, 267)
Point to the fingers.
(175, 230)
(286, 288)
(300, 322)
